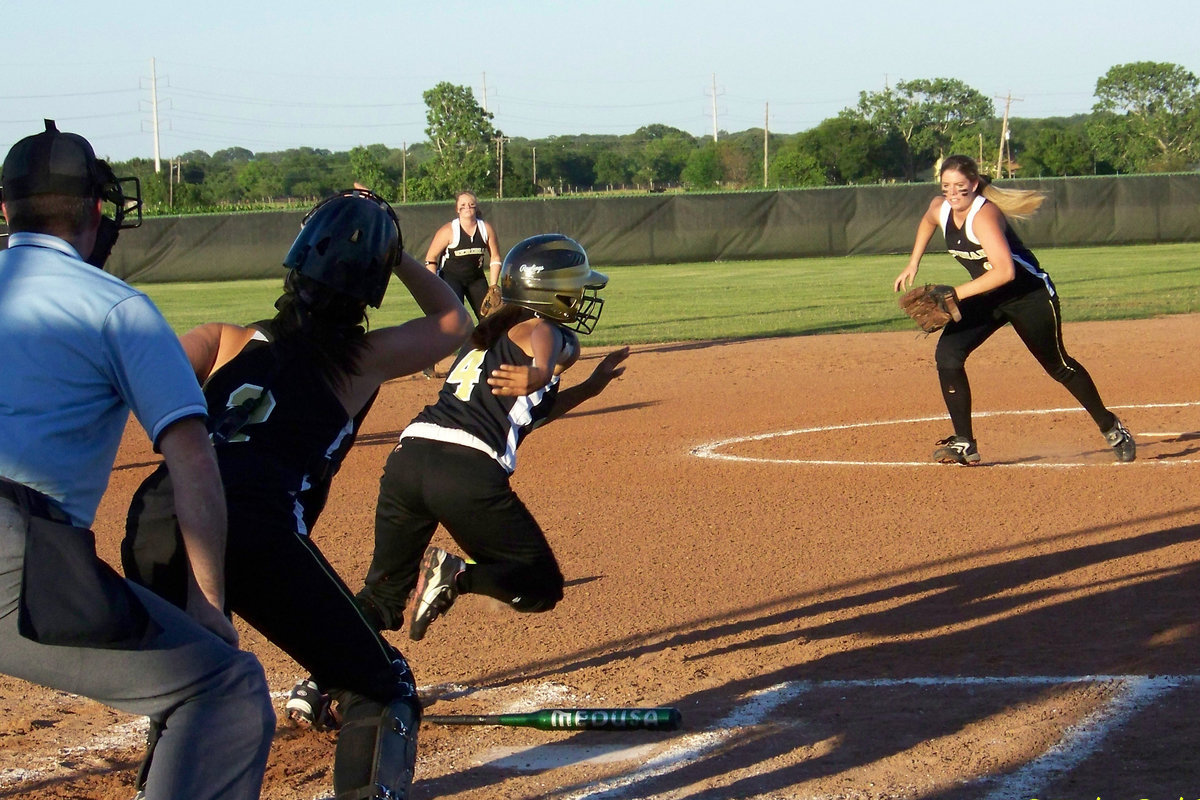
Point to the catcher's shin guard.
(395, 756)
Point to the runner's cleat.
(1121, 441)
(956, 450)
(436, 589)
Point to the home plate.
(551, 756)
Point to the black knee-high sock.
(1081, 386)
(956, 391)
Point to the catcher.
(1007, 285)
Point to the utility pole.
(766, 139)
(714, 105)
(154, 114)
(1004, 136)
(485, 92)
(500, 140)
(534, 171)
(404, 172)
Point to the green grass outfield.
(747, 299)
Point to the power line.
(200, 93)
(67, 94)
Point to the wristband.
(495, 263)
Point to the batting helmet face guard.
(349, 242)
(550, 275)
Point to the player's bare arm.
(926, 228)
(609, 368)
(210, 346)
(495, 260)
(441, 240)
(989, 228)
(407, 348)
(553, 349)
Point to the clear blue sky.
(269, 75)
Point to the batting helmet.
(349, 242)
(550, 275)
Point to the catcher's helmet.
(348, 242)
(54, 162)
(549, 274)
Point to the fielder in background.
(454, 460)
(1007, 284)
(287, 397)
(458, 251)
(81, 349)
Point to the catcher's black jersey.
(465, 255)
(467, 413)
(296, 435)
(964, 246)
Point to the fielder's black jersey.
(964, 245)
(295, 438)
(465, 255)
(467, 413)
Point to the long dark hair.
(321, 326)
(496, 324)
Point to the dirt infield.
(834, 616)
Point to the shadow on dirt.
(1019, 617)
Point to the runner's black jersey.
(467, 413)
(964, 245)
(295, 438)
(465, 255)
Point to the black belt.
(33, 501)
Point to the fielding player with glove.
(457, 254)
(1007, 284)
(931, 307)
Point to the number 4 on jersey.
(466, 374)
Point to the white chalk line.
(1134, 694)
(709, 449)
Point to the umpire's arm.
(200, 509)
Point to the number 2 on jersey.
(467, 373)
(258, 408)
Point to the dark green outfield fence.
(661, 228)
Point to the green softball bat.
(573, 719)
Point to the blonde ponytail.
(1013, 203)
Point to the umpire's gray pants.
(217, 716)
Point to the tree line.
(1146, 118)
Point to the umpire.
(82, 349)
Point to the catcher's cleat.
(1121, 441)
(309, 707)
(436, 589)
(956, 450)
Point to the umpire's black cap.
(51, 162)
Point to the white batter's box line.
(1135, 693)
(709, 449)
(1172, 681)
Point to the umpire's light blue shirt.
(79, 349)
